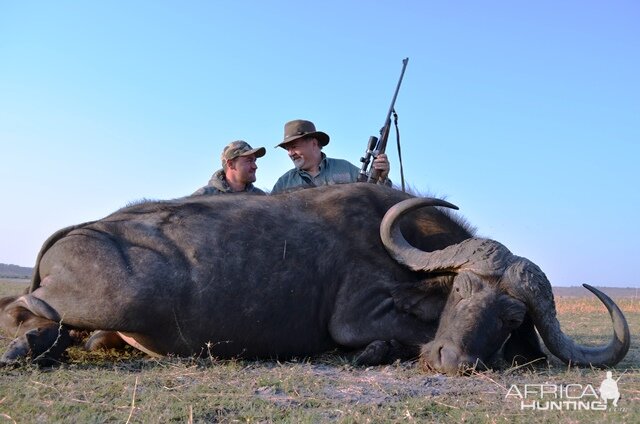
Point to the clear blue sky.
(525, 115)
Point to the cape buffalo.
(294, 275)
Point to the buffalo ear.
(423, 299)
(524, 345)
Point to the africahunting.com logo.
(566, 397)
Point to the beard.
(298, 162)
(251, 178)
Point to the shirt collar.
(323, 164)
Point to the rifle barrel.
(395, 95)
(381, 146)
(378, 146)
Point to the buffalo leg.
(371, 314)
(381, 352)
(41, 339)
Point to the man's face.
(304, 153)
(244, 168)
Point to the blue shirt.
(332, 171)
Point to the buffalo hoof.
(43, 345)
(380, 352)
(105, 340)
(374, 354)
(18, 349)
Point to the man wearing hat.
(312, 167)
(238, 171)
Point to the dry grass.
(591, 305)
(129, 387)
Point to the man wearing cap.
(238, 171)
(312, 167)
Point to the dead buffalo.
(356, 267)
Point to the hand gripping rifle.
(376, 145)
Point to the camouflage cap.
(240, 148)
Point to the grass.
(129, 387)
(13, 286)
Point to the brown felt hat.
(240, 148)
(300, 128)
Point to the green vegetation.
(129, 387)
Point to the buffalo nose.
(451, 361)
(448, 357)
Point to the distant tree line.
(15, 271)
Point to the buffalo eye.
(512, 322)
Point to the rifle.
(377, 145)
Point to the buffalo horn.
(474, 254)
(526, 281)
